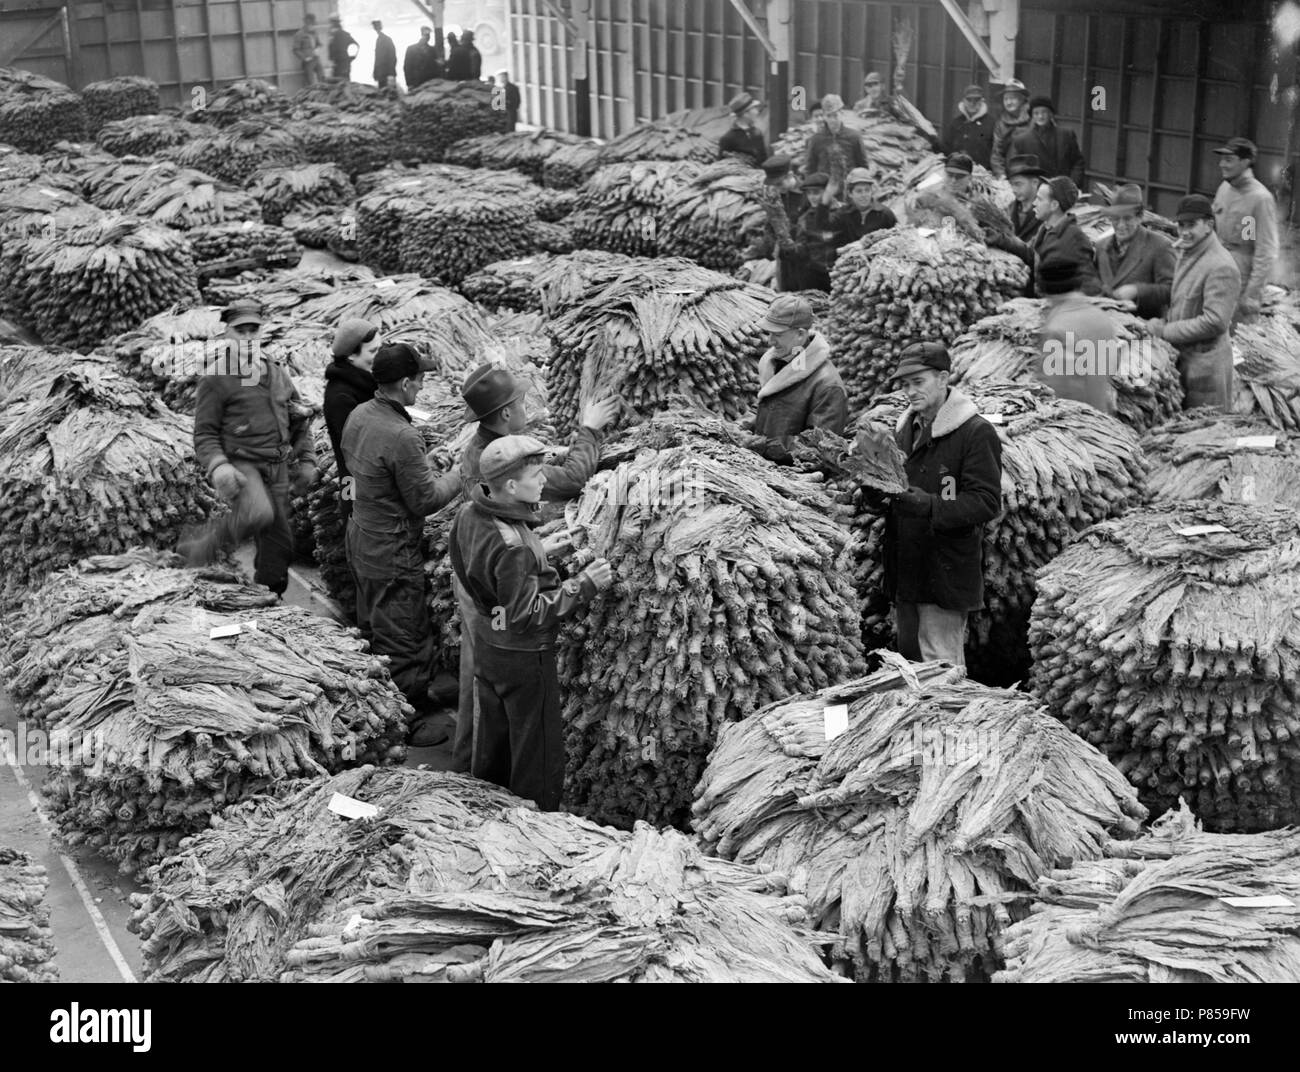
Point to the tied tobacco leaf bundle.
(26, 941)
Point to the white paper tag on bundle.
(1271, 900)
(220, 632)
(248, 225)
(354, 926)
(926, 232)
(51, 193)
(419, 414)
(1256, 442)
(384, 284)
(1237, 358)
(351, 808)
(1202, 530)
(836, 719)
(992, 418)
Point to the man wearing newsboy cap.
(934, 531)
(1206, 288)
(799, 388)
(1135, 263)
(394, 490)
(1245, 217)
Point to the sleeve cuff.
(216, 463)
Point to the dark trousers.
(519, 743)
(393, 613)
(260, 511)
(462, 751)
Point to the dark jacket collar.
(528, 513)
(351, 375)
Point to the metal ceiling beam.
(976, 42)
(569, 25)
(755, 27)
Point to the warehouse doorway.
(37, 40)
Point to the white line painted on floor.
(319, 597)
(83, 891)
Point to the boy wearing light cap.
(970, 131)
(799, 388)
(934, 532)
(520, 604)
(395, 489)
(1206, 289)
(863, 214)
(1246, 222)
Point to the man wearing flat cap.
(1245, 217)
(782, 203)
(1057, 149)
(970, 131)
(814, 237)
(744, 140)
(934, 532)
(1136, 264)
(250, 426)
(395, 490)
(1206, 289)
(874, 100)
(519, 604)
(864, 214)
(799, 388)
(836, 150)
(1059, 236)
(495, 399)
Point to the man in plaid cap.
(1245, 217)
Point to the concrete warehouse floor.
(87, 897)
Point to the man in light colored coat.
(1245, 217)
(1078, 340)
(1206, 287)
(1012, 120)
(1135, 263)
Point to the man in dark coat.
(1205, 292)
(249, 424)
(1136, 264)
(1024, 176)
(744, 140)
(836, 150)
(782, 203)
(420, 62)
(934, 532)
(342, 48)
(519, 603)
(385, 56)
(348, 383)
(814, 234)
(1059, 236)
(970, 131)
(475, 56)
(396, 489)
(863, 214)
(510, 98)
(1057, 149)
(1012, 120)
(799, 388)
(496, 400)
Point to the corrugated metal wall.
(180, 44)
(1176, 82)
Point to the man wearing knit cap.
(1078, 342)
(934, 532)
(970, 131)
(1059, 236)
(520, 603)
(395, 489)
(249, 425)
(348, 383)
(496, 400)
(835, 151)
(799, 388)
(1057, 149)
(1135, 263)
(1246, 222)
(1012, 120)
(1206, 289)
(744, 140)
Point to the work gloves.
(228, 481)
(912, 503)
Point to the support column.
(780, 29)
(1004, 26)
(581, 71)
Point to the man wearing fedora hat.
(1204, 298)
(1136, 264)
(1024, 175)
(250, 424)
(1246, 222)
(1012, 119)
(836, 150)
(496, 401)
(744, 140)
(934, 532)
(1057, 149)
(1059, 235)
(395, 489)
(970, 131)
